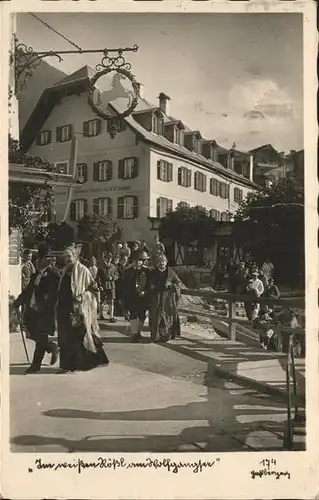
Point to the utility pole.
(73, 163)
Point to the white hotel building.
(154, 163)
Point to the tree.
(98, 230)
(270, 224)
(60, 235)
(31, 207)
(189, 225)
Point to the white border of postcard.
(231, 476)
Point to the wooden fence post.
(232, 324)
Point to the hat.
(144, 256)
(138, 255)
(255, 273)
(44, 251)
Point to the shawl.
(81, 280)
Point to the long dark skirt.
(164, 318)
(73, 354)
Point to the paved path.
(151, 398)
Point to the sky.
(238, 78)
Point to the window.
(102, 206)
(200, 181)
(184, 177)
(163, 205)
(225, 216)
(116, 123)
(127, 207)
(78, 209)
(64, 134)
(178, 136)
(44, 138)
(164, 171)
(92, 128)
(157, 124)
(128, 168)
(62, 167)
(238, 195)
(81, 172)
(214, 187)
(215, 214)
(102, 170)
(224, 190)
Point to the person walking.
(93, 267)
(27, 269)
(258, 286)
(136, 285)
(165, 287)
(80, 344)
(39, 299)
(126, 251)
(106, 277)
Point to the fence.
(288, 332)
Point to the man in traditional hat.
(39, 299)
(107, 275)
(135, 285)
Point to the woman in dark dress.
(78, 330)
(164, 286)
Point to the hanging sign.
(14, 247)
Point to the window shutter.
(120, 207)
(205, 183)
(70, 132)
(85, 172)
(109, 171)
(109, 206)
(98, 126)
(179, 176)
(170, 172)
(195, 180)
(227, 191)
(121, 169)
(86, 129)
(96, 206)
(158, 207)
(189, 178)
(85, 207)
(49, 136)
(135, 168)
(159, 169)
(59, 134)
(72, 211)
(170, 205)
(96, 171)
(135, 207)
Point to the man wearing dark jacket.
(107, 275)
(135, 284)
(39, 300)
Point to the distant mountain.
(43, 76)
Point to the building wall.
(75, 110)
(190, 195)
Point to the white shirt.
(258, 286)
(267, 269)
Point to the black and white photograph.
(157, 268)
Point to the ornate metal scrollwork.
(121, 68)
(26, 60)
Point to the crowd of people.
(68, 301)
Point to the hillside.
(43, 76)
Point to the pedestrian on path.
(80, 344)
(107, 275)
(135, 287)
(165, 287)
(27, 269)
(39, 299)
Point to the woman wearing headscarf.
(165, 287)
(78, 330)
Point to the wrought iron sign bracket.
(25, 60)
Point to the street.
(151, 398)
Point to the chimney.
(163, 100)
(140, 89)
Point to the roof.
(51, 95)
(265, 146)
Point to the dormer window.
(192, 142)
(157, 124)
(174, 132)
(209, 150)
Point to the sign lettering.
(14, 247)
(97, 190)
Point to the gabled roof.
(174, 122)
(194, 132)
(265, 146)
(52, 94)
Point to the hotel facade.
(154, 163)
